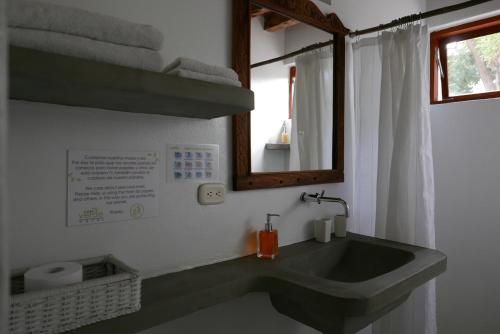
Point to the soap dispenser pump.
(268, 240)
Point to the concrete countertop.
(178, 294)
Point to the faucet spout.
(318, 198)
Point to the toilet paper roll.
(340, 226)
(53, 275)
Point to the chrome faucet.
(318, 198)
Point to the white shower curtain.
(405, 185)
(394, 179)
(312, 115)
(4, 267)
(363, 74)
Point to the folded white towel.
(63, 19)
(205, 77)
(82, 47)
(197, 66)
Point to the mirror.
(292, 123)
(292, 56)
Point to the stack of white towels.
(80, 33)
(83, 34)
(193, 69)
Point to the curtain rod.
(419, 16)
(311, 47)
(393, 23)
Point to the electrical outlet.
(211, 193)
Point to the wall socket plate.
(211, 193)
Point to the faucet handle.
(319, 196)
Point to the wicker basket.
(109, 289)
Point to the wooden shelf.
(271, 146)
(51, 78)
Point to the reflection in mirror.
(292, 123)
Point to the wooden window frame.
(291, 81)
(438, 41)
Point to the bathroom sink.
(350, 282)
(350, 261)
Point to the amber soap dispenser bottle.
(268, 240)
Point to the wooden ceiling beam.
(274, 22)
(258, 11)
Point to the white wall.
(466, 137)
(360, 14)
(185, 234)
(40, 134)
(302, 35)
(490, 8)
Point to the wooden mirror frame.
(306, 12)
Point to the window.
(465, 62)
